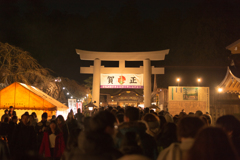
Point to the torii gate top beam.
(118, 56)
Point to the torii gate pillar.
(147, 82)
(147, 70)
(96, 81)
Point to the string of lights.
(67, 92)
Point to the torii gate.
(146, 69)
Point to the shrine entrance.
(122, 77)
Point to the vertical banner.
(79, 106)
(72, 105)
(122, 81)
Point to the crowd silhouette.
(112, 133)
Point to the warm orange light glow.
(199, 80)
(178, 79)
(220, 89)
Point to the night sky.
(196, 33)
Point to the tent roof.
(40, 94)
(43, 95)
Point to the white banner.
(72, 105)
(122, 81)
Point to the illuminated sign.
(122, 81)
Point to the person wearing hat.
(11, 112)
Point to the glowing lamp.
(220, 89)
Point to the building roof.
(231, 82)
(23, 96)
(234, 47)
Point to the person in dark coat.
(24, 138)
(41, 127)
(5, 130)
(71, 121)
(11, 112)
(132, 124)
(231, 125)
(12, 125)
(5, 115)
(4, 151)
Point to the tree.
(17, 65)
(88, 83)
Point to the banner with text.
(127, 81)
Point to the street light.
(199, 80)
(220, 90)
(178, 80)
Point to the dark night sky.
(195, 32)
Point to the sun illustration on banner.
(121, 80)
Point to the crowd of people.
(113, 133)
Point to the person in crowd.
(153, 124)
(120, 110)
(63, 127)
(168, 117)
(191, 114)
(198, 113)
(35, 116)
(4, 129)
(72, 143)
(54, 117)
(176, 119)
(146, 110)
(187, 129)
(24, 138)
(231, 126)
(182, 114)
(114, 111)
(209, 119)
(167, 136)
(4, 151)
(12, 125)
(52, 143)
(86, 122)
(162, 122)
(71, 121)
(5, 115)
(161, 113)
(134, 157)
(32, 121)
(79, 117)
(212, 144)
(130, 145)
(97, 143)
(132, 124)
(120, 117)
(41, 127)
(11, 112)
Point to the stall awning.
(23, 96)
